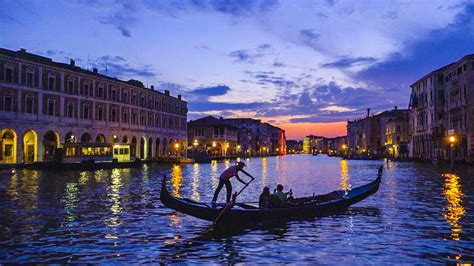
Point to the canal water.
(420, 214)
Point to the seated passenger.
(280, 197)
(264, 200)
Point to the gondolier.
(225, 180)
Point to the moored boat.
(241, 213)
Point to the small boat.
(242, 213)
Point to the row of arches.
(32, 150)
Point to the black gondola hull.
(338, 202)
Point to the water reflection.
(264, 170)
(71, 200)
(114, 197)
(195, 183)
(344, 175)
(176, 179)
(454, 195)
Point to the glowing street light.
(452, 140)
(214, 144)
(195, 143)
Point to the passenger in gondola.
(264, 200)
(280, 198)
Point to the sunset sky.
(307, 66)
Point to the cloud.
(118, 66)
(249, 56)
(349, 62)
(212, 91)
(241, 8)
(122, 19)
(309, 36)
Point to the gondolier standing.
(225, 180)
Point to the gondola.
(241, 213)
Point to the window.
(86, 111)
(9, 75)
(29, 79)
(150, 121)
(100, 92)
(114, 93)
(8, 102)
(70, 109)
(134, 118)
(199, 132)
(464, 67)
(157, 122)
(51, 83)
(8, 152)
(51, 107)
(86, 89)
(125, 117)
(150, 103)
(100, 113)
(70, 86)
(29, 104)
(125, 97)
(142, 120)
(143, 101)
(134, 99)
(113, 114)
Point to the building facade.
(442, 105)
(375, 136)
(213, 136)
(44, 104)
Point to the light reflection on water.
(421, 214)
(454, 195)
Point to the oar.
(231, 203)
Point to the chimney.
(368, 112)
(396, 107)
(179, 96)
(167, 92)
(95, 70)
(72, 62)
(152, 87)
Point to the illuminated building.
(44, 104)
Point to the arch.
(70, 138)
(50, 144)
(125, 139)
(134, 146)
(171, 147)
(30, 146)
(114, 139)
(157, 148)
(86, 138)
(165, 147)
(8, 146)
(150, 149)
(142, 147)
(101, 138)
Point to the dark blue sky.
(288, 62)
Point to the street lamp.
(195, 143)
(176, 146)
(452, 141)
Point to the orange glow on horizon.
(298, 131)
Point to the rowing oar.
(230, 204)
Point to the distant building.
(252, 137)
(45, 104)
(368, 136)
(257, 138)
(213, 136)
(312, 144)
(294, 146)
